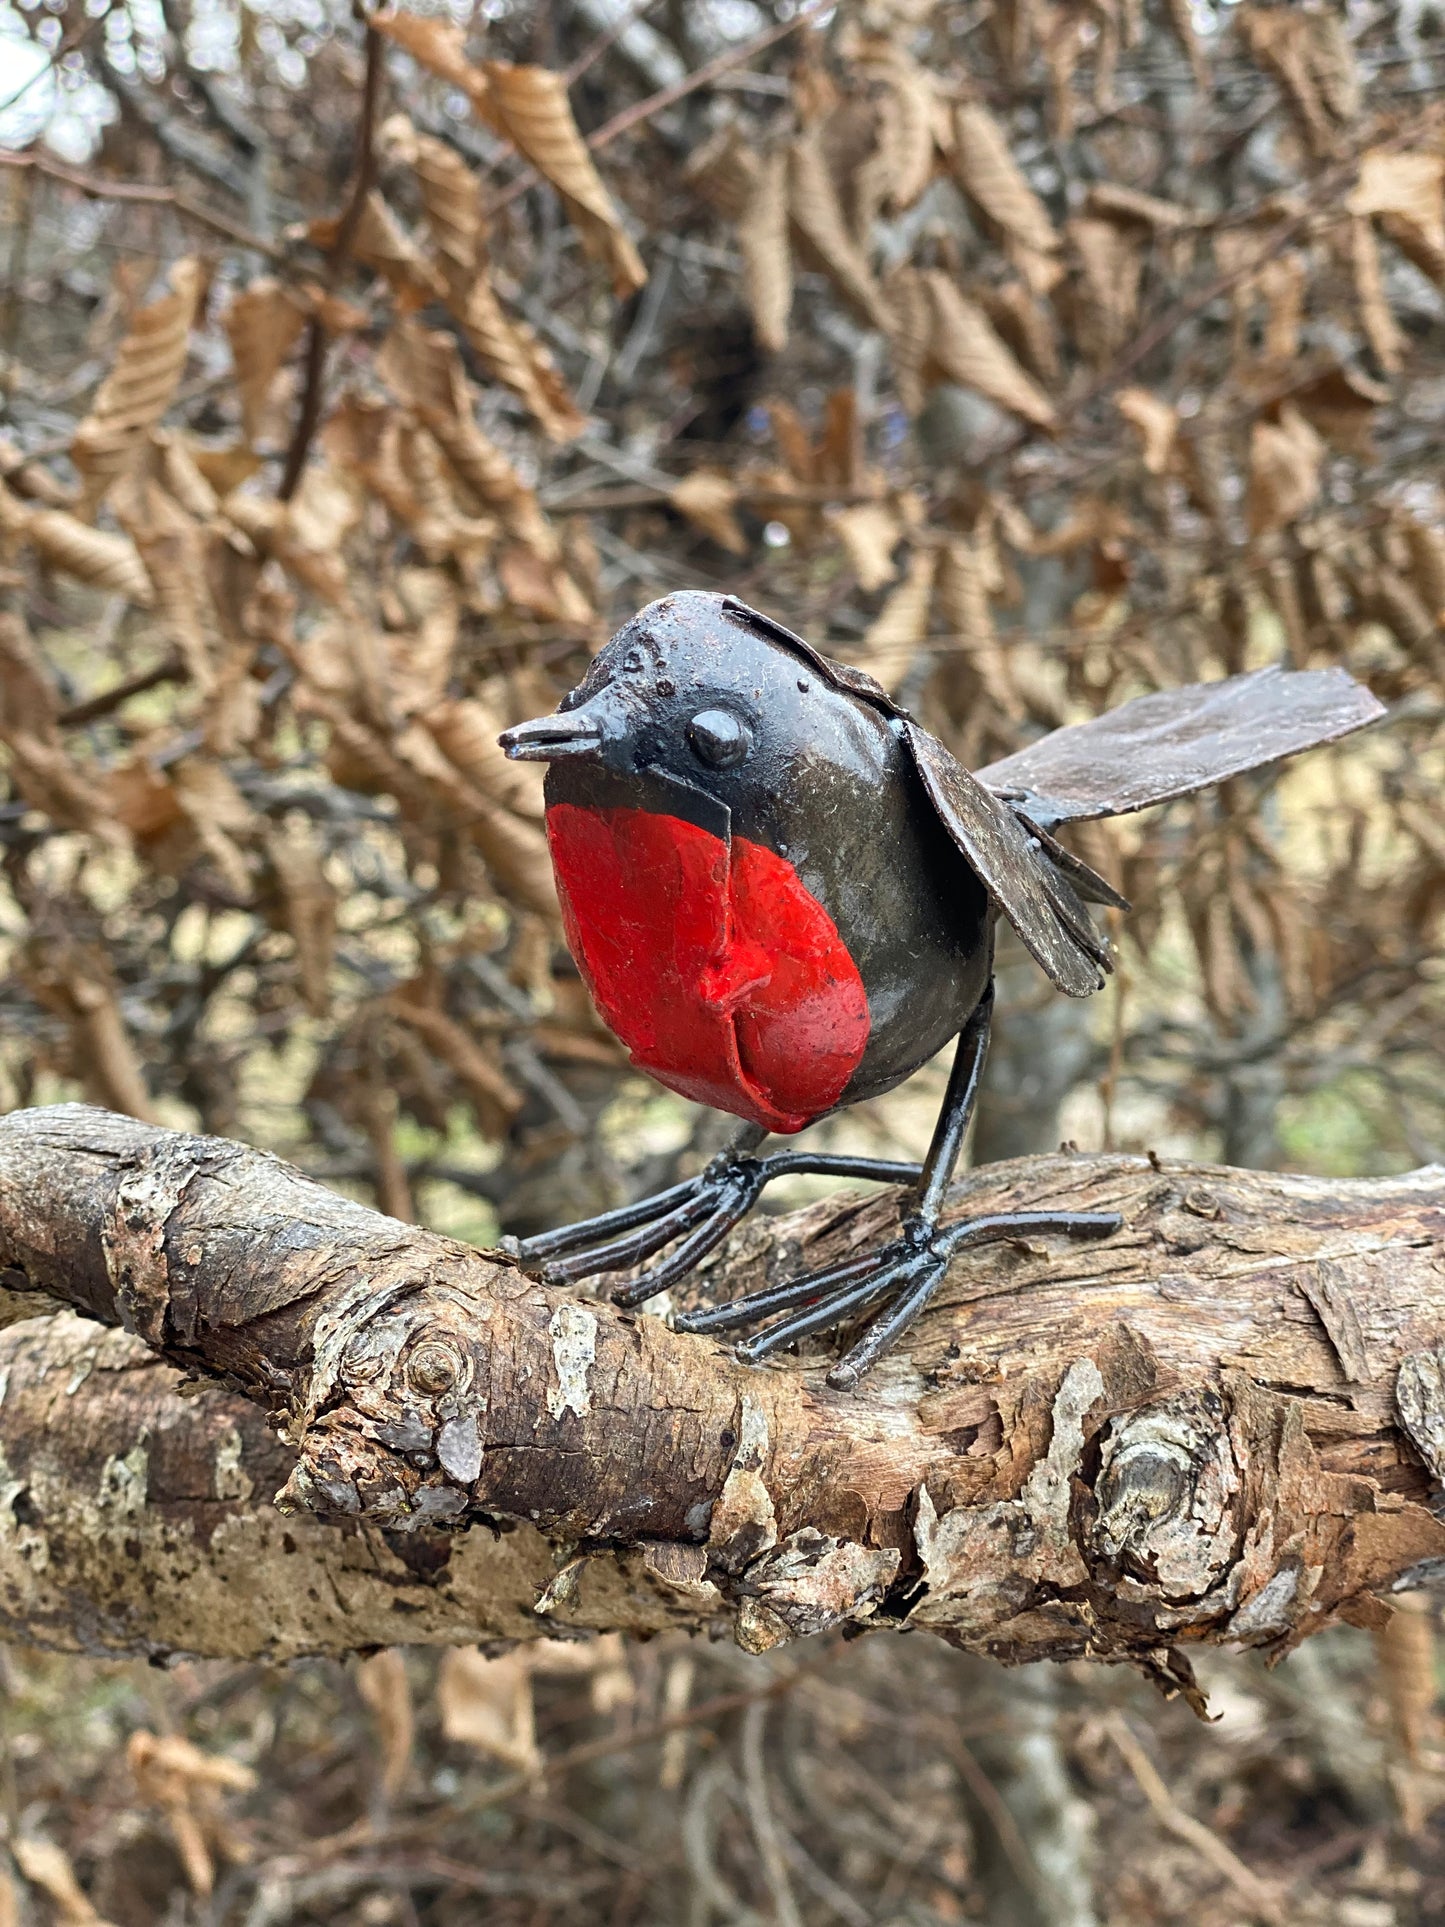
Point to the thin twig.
(763, 1821)
(991, 1802)
(168, 669)
(555, 1765)
(805, 494)
(137, 192)
(609, 37)
(314, 376)
(724, 63)
(1259, 1896)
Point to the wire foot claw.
(901, 1278)
(694, 1216)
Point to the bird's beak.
(549, 739)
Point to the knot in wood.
(1144, 1483)
(1168, 1493)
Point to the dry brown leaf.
(1405, 1650)
(173, 549)
(1313, 62)
(540, 586)
(48, 779)
(29, 704)
(1090, 522)
(400, 463)
(900, 167)
(336, 316)
(172, 461)
(62, 541)
(305, 535)
(968, 575)
(1342, 404)
(1063, 46)
(762, 230)
(139, 388)
(1106, 293)
(493, 1097)
(76, 984)
(530, 106)
(187, 1784)
(1027, 324)
(1181, 19)
(347, 657)
(794, 442)
(991, 177)
(263, 325)
(509, 349)
(708, 498)
(438, 45)
(309, 905)
(515, 850)
(870, 532)
(1285, 460)
(1111, 200)
(506, 346)
(421, 657)
(379, 241)
(383, 1684)
(723, 171)
(1382, 331)
(911, 306)
(838, 458)
(466, 731)
(220, 816)
(105, 561)
(487, 1704)
(423, 368)
(1406, 186)
(965, 348)
(41, 767)
(1426, 546)
(44, 1865)
(1157, 424)
(451, 197)
(817, 213)
(1282, 283)
(901, 626)
(141, 800)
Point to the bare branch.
(1187, 1434)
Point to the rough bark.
(1224, 1424)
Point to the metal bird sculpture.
(782, 891)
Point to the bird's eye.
(719, 738)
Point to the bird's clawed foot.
(905, 1273)
(694, 1217)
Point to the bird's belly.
(724, 977)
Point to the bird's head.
(695, 690)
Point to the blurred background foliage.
(358, 375)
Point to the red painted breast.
(725, 978)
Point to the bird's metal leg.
(908, 1270)
(700, 1212)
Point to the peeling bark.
(1188, 1433)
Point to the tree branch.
(313, 378)
(1190, 1433)
(99, 188)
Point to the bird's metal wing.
(1178, 741)
(1036, 892)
